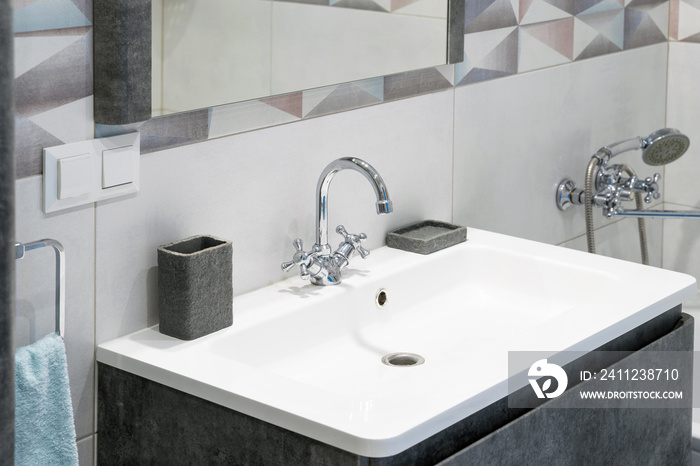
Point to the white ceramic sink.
(308, 358)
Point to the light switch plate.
(118, 166)
(74, 176)
(87, 158)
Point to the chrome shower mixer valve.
(614, 187)
(608, 185)
(321, 264)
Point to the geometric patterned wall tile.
(486, 15)
(360, 5)
(374, 86)
(659, 14)
(175, 130)
(310, 2)
(33, 49)
(252, 114)
(85, 6)
(596, 6)
(42, 15)
(384, 6)
(164, 132)
(71, 122)
(599, 32)
(546, 44)
(31, 139)
(290, 103)
(62, 78)
(412, 83)
(673, 20)
(488, 55)
(646, 23)
(429, 8)
(687, 25)
(313, 97)
(53, 77)
(538, 11)
(342, 97)
(399, 4)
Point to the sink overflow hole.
(381, 299)
(403, 359)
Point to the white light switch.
(74, 176)
(85, 172)
(118, 166)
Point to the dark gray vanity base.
(143, 422)
(617, 435)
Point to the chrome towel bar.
(22, 248)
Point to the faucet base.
(325, 281)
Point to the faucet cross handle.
(300, 258)
(312, 266)
(353, 240)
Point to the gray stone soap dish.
(426, 237)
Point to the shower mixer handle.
(648, 186)
(652, 188)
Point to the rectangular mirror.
(161, 57)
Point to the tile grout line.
(668, 73)
(94, 343)
(454, 135)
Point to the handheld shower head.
(661, 147)
(664, 146)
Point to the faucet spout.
(384, 205)
(321, 265)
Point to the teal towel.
(44, 427)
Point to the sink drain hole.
(403, 359)
(381, 298)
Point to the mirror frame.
(122, 54)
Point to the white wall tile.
(258, 189)
(75, 229)
(517, 137)
(620, 239)
(682, 176)
(681, 243)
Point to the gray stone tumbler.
(195, 287)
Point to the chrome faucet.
(322, 265)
